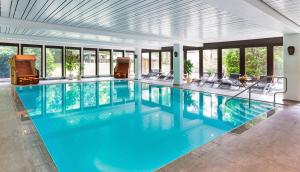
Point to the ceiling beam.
(38, 26)
(257, 12)
(28, 39)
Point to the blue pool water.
(127, 125)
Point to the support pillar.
(178, 64)
(137, 63)
(292, 66)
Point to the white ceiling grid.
(186, 20)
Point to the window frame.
(110, 62)
(62, 61)
(42, 73)
(96, 62)
(9, 45)
(65, 57)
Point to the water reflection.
(76, 97)
(124, 125)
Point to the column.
(137, 63)
(43, 61)
(292, 66)
(178, 64)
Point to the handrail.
(255, 83)
(280, 92)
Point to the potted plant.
(71, 64)
(188, 66)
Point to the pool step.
(244, 112)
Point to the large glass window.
(72, 57)
(230, 61)
(6, 52)
(193, 56)
(166, 61)
(145, 63)
(104, 62)
(210, 61)
(278, 60)
(117, 54)
(131, 56)
(37, 51)
(154, 61)
(256, 61)
(89, 61)
(54, 62)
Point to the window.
(230, 61)
(54, 62)
(210, 61)
(34, 50)
(72, 57)
(89, 61)
(145, 63)
(155, 61)
(256, 61)
(278, 60)
(131, 56)
(104, 62)
(193, 56)
(166, 62)
(117, 54)
(6, 52)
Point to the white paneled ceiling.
(194, 21)
(288, 8)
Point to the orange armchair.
(122, 67)
(23, 71)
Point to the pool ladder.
(257, 82)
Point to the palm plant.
(188, 66)
(72, 63)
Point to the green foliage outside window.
(278, 60)
(256, 61)
(6, 52)
(50, 63)
(72, 61)
(38, 54)
(231, 61)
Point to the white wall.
(292, 66)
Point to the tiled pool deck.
(270, 145)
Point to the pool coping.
(236, 131)
(21, 112)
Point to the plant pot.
(188, 79)
(70, 76)
(78, 77)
